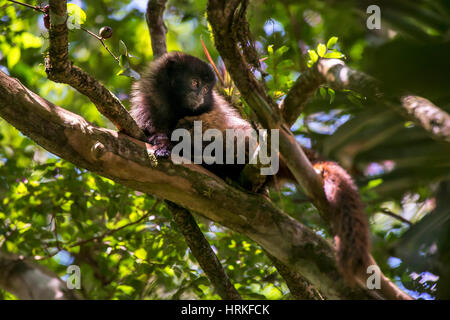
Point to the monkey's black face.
(191, 81)
(196, 92)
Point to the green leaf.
(332, 94)
(285, 64)
(313, 56)
(323, 92)
(124, 62)
(13, 57)
(125, 289)
(331, 43)
(29, 40)
(334, 55)
(280, 51)
(374, 183)
(321, 49)
(141, 254)
(76, 15)
(128, 72)
(354, 100)
(123, 48)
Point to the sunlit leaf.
(332, 42)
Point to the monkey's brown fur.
(154, 112)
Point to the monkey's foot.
(162, 144)
(162, 152)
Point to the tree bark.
(29, 281)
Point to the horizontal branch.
(27, 281)
(127, 161)
(435, 121)
(424, 113)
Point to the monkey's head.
(188, 82)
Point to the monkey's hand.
(162, 143)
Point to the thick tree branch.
(126, 161)
(30, 281)
(60, 69)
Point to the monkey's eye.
(195, 83)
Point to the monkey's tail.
(349, 221)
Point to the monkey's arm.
(157, 136)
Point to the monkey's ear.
(170, 64)
(171, 70)
(169, 73)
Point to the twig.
(37, 8)
(211, 61)
(396, 216)
(101, 41)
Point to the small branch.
(101, 41)
(396, 216)
(211, 62)
(156, 26)
(60, 69)
(37, 8)
(435, 121)
(27, 281)
(202, 251)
